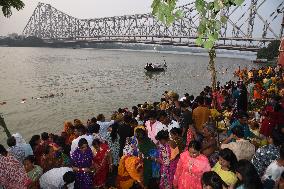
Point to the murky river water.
(91, 81)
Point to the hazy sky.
(94, 9)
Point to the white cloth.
(22, 143)
(273, 171)
(75, 142)
(154, 129)
(104, 125)
(53, 179)
(182, 99)
(173, 124)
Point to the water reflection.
(154, 75)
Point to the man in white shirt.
(166, 122)
(275, 169)
(81, 132)
(104, 125)
(57, 178)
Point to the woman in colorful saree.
(131, 145)
(102, 162)
(82, 159)
(190, 168)
(130, 170)
(148, 152)
(165, 152)
(69, 130)
(34, 171)
(12, 172)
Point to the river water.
(93, 81)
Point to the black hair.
(127, 118)
(11, 141)
(213, 180)
(250, 178)
(152, 114)
(163, 99)
(176, 131)
(3, 150)
(68, 178)
(33, 140)
(94, 120)
(100, 117)
(134, 122)
(162, 135)
(282, 151)
(229, 156)
(59, 140)
(82, 141)
(200, 100)
(114, 130)
(44, 136)
(195, 145)
(275, 138)
(47, 149)
(242, 114)
(141, 133)
(96, 142)
(30, 158)
(162, 114)
(81, 129)
(93, 128)
(184, 104)
(135, 111)
(238, 131)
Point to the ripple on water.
(113, 78)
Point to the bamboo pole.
(3, 124)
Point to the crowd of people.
(225, 138)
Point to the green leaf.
(239, 2)
(202, 27)
(208, 44)
(210, 5)
(215, 36)
(179, 14)
(200, 5)
(218, 25)
(223, 19)
(170, 20)
(199, 41)
(155, 6)
(217, 6)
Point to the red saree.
(101, 164)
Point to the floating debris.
(3, 103)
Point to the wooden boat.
(155, 68)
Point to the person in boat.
(165, 64)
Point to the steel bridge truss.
(248, 25)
